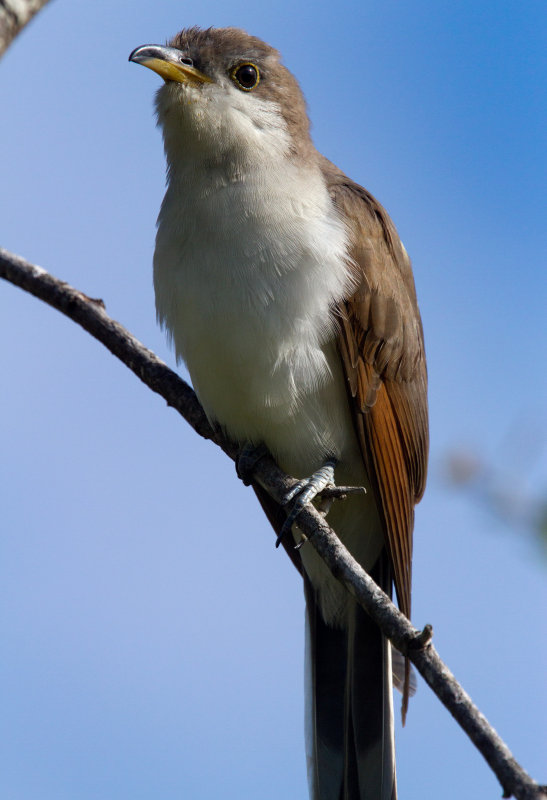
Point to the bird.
(285, 289)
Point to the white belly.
(245, 281)
(246, 278)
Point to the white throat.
(218, 124)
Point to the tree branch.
(14, 15)
(415, 644)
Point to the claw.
(305, 491)
(247, 459)
(291, 494)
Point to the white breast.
(246, 271)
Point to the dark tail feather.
(351, 751)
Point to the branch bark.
(14, 15)
(91, 315)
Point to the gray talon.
(305, 491)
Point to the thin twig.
(415, 644)
(14, 15)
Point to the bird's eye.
(246, 76)
(186, 60)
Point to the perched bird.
(285, 289)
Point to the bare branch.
(415, 644)
(418, 647)
(90, 314)
(14, 15)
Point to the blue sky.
(152, 636)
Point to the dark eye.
(246, 76)
(186, 60)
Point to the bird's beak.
(166, 61)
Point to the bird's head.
(226, 96)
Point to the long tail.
(350, 742)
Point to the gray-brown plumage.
(212, 48)
(381, 343)
(288, 293)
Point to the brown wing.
(381, 345)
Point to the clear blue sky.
(152, 637)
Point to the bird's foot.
(318, 486)
(305, 491)
(247, 459)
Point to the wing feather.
(381, 346)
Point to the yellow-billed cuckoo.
(288, 294)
